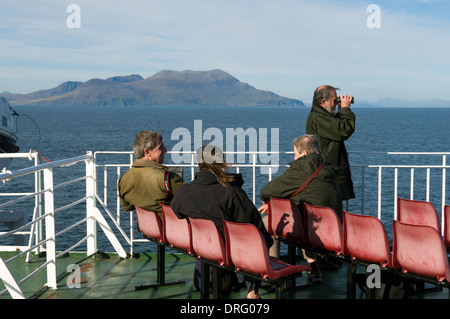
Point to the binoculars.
(338, 100)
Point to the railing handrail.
(40, 167)
(48, 217)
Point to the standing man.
(332, 128)
(148, 183)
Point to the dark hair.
(323, 92)
(211, 158)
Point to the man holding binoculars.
(332, 127)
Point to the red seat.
(177, 232)
(249, 253)
(417, 213)
(365, 238)
(285, 220)
(447, 225)
(209, 246)
(149, 224)
(208, 242)
(323, 228)
(420, 250)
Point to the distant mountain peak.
(165, 88)
(125, 79)
(194, 76)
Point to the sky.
(395, 49)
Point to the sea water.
(65, 132)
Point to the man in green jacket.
(332, 128)
(144, 184)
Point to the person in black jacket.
(216, 195)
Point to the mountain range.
(165, 88)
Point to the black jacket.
(206, 198)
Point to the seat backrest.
(417, 213)
(247, 248)
(149, 224)
(177, 232)
(285, 220)
(323, 228)
(447, 225)
(365, 238)
(420, 250)
(208, 241)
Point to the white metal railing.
(45, 195)
(32, 156)
(412, 169)
(376, 187)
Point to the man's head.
(149, 145)
(325, 96)
(305, 145)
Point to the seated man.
(321, 191)
(143, 185)
(216, 195)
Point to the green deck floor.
(106, 276)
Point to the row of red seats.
(202, 239)
(418, 246)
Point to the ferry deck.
(111, 257)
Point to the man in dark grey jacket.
(332, 128)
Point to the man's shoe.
(315, 277)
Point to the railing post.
(91, 224)
(363, 188)
(254, 177)
(395, 191)
(49, 210)
(444, 180)
(379, 192)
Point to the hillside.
(165, 88)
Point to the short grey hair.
(145, 140)
(307, 142)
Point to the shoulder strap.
(167, 186)
(308, 180)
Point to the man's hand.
(263, 209)
(346, 100)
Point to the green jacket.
(332, 131)
(143, 186)
(321, 191)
